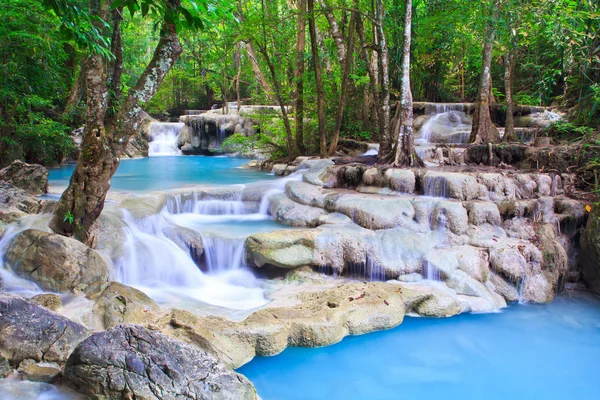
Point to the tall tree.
(405, 153)
(347, 62)
(382, 51)
(312, 28)
(299, 73)
(483, 130)
(107, 132)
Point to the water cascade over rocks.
(163, 138)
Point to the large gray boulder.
(56, 263)
(129, 361)
(29, 331)
(32, 178)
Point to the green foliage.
(564, 130)
(270, 139)
(69, 217)
(526, 99)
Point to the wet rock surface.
(32, 178)
(16, 203)
(129, 361)
(56, 263)
(30, 331)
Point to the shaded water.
(169, 172)
(524, 352)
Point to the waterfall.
(445, 126)
(435, 186)
(163, 138)
(158, 266)
(372, 150)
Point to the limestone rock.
(56, 263)
(187, 239)
(30, 331)
(291, 213)
(49, 300)
(483, 213)
(509, 262)
(128, 361)
(141, 207)
(5, 368)
(16, 203)
(39, 372)
(305, 193)
(32, 178)
(283, 249)
(121, 304)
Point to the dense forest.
(338, 62)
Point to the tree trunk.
(299, 74)
(372, 76)
(257, 71)
(509, 130)
(344, 89)
(386, 140)
(291, 146)
(318, 81)
(77, 91)
(337, 36)
(405, 153)
(117, 65)
(483, 130)
(82, 202)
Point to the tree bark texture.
(372, 76)
(483, 130)
(387, 141)
(337, 36)
(318, 79)
(509, 125)
(299, 74)
(344, 89)
(405, 153)
(83, 200)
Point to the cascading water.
(157, 265)
(163, 137)
(372, 150)
(446, 127)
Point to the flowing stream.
(163, 138)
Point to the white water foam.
(163, 137)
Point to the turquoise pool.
(524, 352)
(170, 172)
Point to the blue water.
(169, 172)
(525, 352)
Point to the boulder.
(129, 361)
(187, 239)
(283, 249)
(121, 304)
(509, 262)
(30, 331)
(56, 263)
(32, 178)
(16, 203)
(290, 213)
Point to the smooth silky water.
(525, 351)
